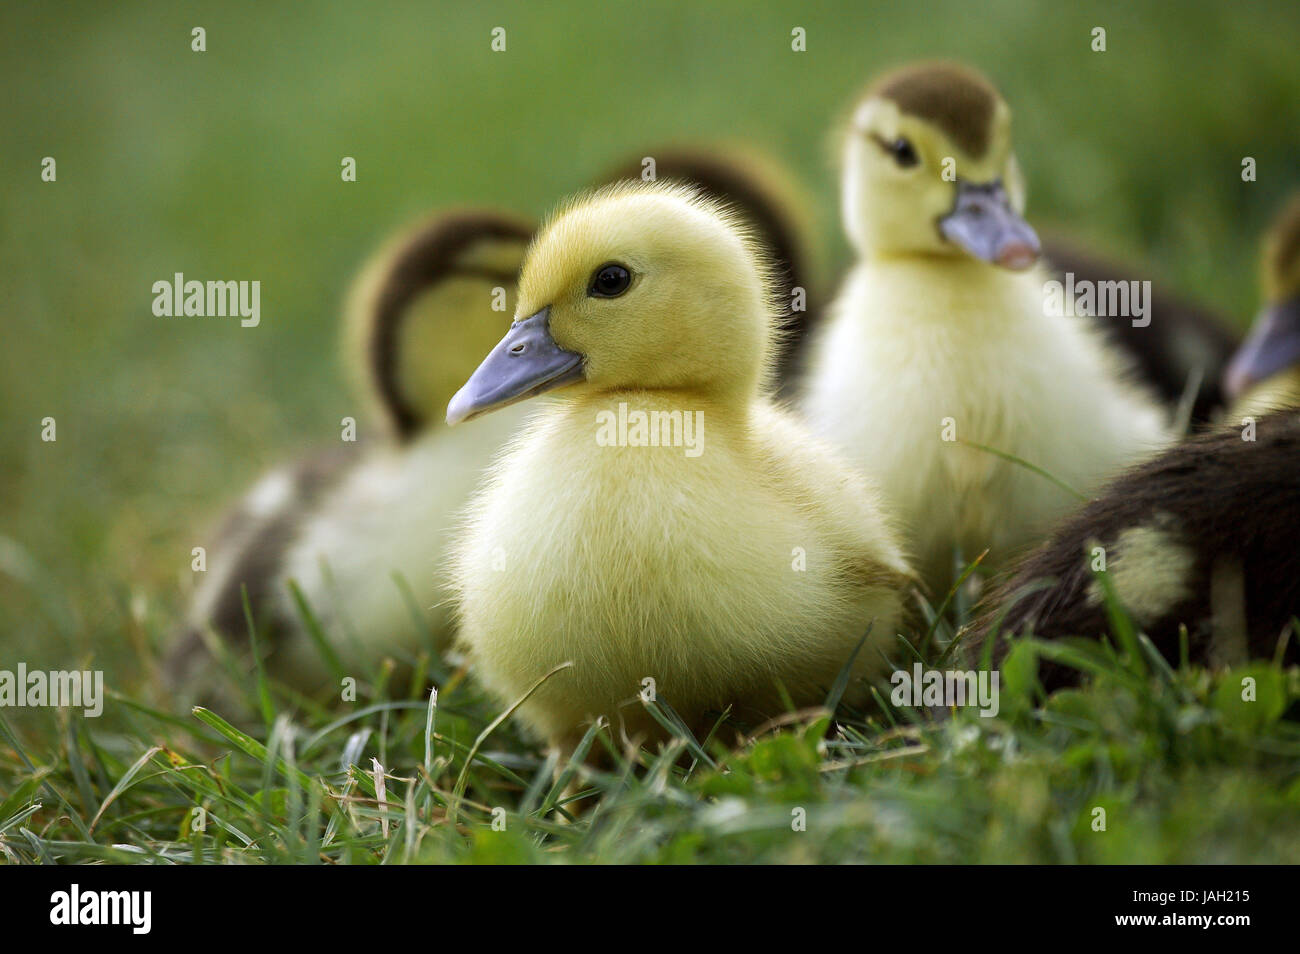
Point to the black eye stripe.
(609, 281)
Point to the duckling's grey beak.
(983, 222)
(526, 362)
(1273, 345)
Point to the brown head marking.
(955, 98)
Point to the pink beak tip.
(1017, 256)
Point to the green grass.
(225, 164)
(1147, 763)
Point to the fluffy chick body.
(345, 524)
(762, 561)
(929, 349)
(917, 352)
(384, 526)
(653, 565)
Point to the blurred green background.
(225, 165)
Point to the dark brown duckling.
(1202, 536)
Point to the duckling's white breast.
(920, 360)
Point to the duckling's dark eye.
(609, 281)
(902, 151)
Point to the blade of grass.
(1120, 623)
(441, 675)
(7, 731)
(429, 718)
(534, 791)
(1156, 660)
(319, 736)
(996, 630)
(1034, 468)
(22, 816)
(667, 716)
(463, 778)
(1187, 400)
(123, 783)
(571, 768)
(316, 633)
(248, 745)
(263, 692)
(841, 682)
(76, 764)
(947, 600)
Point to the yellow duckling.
(342, 522)
(661, 525)
(425, 308)
(1265, 373)
(942, 336)
(346, 523)
(776, 206)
